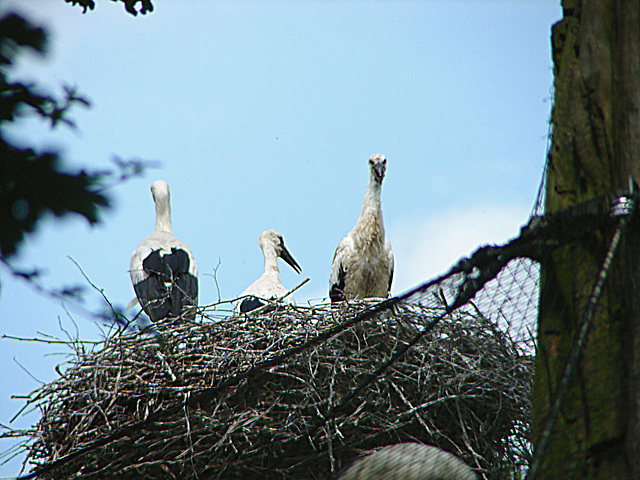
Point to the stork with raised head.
(409, 461)
(268, 286)
(363, 263)
(163, 270)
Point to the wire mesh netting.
(300, 392)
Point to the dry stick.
(382, 368)
(270, 302)
(412, 410)
(52, 342)
(295, 288)
(392, 302)
(188, 425)
(215, 278)
(119, 318)
(98, 443)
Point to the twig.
(51, 342)
(294, 288)
(120, 319)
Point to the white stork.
(409, 461)
(268, 286)
(163, 270)
(363, 263)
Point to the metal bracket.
(624, 206)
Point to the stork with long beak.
(163, 271)
(269, 285)
(363, 262)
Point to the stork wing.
(169, 287)
(387, 247)
(152, 296)
(339, 271)
(248, 304)
(184, 294)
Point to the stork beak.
(286, 256)
(378, 169)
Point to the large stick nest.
(296, 393)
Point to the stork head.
(160, 190)
(272, 239)
(378, 165)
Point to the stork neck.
(371, 203)
(271, 261)
(163, 216)
(369, 229)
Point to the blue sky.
(263, 115)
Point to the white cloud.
(425, 248)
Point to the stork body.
(163, 271)
(269, 285)
(363, 262)
(409, 461)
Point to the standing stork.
(163, 270)
(268, 286)
(363, 263)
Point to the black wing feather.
(170, 288)
(250, 303)
(336, 292)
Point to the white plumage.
(163, 271)
(268, 286)
(363, 263)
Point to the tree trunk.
(595, 149)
